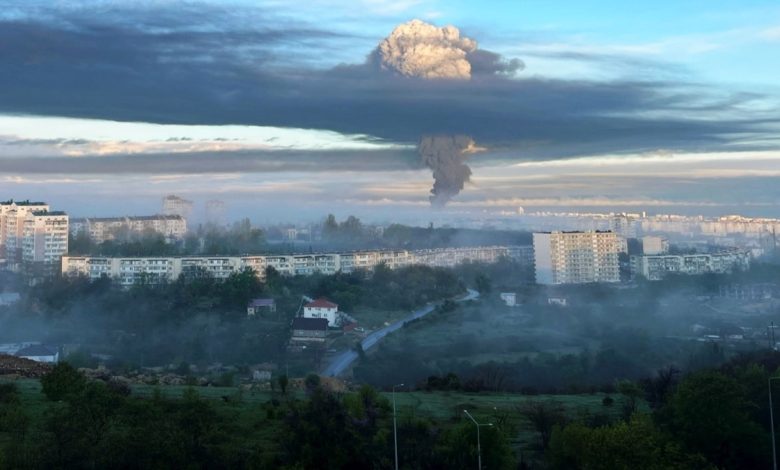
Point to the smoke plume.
(446, 155)
(421, 50)
(418, 49)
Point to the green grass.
(373, 319)
(246, 412)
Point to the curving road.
(341, 361)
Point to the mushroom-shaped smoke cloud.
(446, 155)
(421, 50)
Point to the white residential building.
(174, 205)
(44, 239)
(130, 270)
(101, 229)
(576, 257)
(322, 308)
(12, 216)
(656, 267)
(652, 245)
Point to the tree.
(283, 382)
(631, 393)
(330, 227)
(483, 283)
(710, 414)
(62, 382)
(544, 416)
(636, 444)
(457, 448)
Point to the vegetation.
(715, 418)
(200, 320)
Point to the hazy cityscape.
(389, 234)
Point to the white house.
(509, 298)
(9, 298)
(322, 308)
(39, 353)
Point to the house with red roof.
(322, 308)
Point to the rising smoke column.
(446, 155)
(419, 50)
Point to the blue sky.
(227, 99)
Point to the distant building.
(12, 216)
(577, 257)
(559, 301)
(322, 308)
(131, 270)
(39, 353)
(44, 241)
(509, 298)
(625, 225)
(256, 306)
(309, 330)
(101, 229)
(656, 267)
(174, 205)
(9, 298)
(652, 245)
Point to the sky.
(290, 110)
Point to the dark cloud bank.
(195, 66)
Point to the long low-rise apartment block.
(101, 229)
(656, 267)
(133, 270)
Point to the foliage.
(62, 382)
(544, 416)
(633, 445)
(711, 414)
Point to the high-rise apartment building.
(174, 205)
(577, 257)
(12, 217)
(44, 240)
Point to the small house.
(257, 306)
(39, 353)
(9, 298)
(509, 298)
(322, 308)
(559, 301)
(309, 330)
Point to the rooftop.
(261, 303)
(36, 350)
(311, 324)
(322, 303)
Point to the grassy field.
(246, 409)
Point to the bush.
(63, 381)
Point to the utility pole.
(479, 447)
(772, 424)
(395, 428)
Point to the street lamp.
(395, 428)
(772, 423)
(479, 448)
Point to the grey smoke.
(446, 155)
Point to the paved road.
(341, 361)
